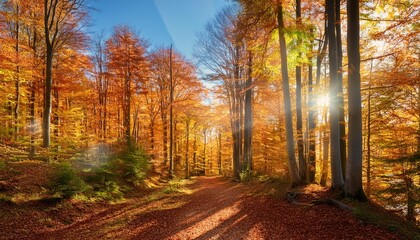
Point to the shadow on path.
(219, 209)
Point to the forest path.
(218, 209)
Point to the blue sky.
(161, 22)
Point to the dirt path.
(217, 209)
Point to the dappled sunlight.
(223, 228)
(209, 119)
(215, 209)
(142, 227)
(27, 197)
(323, 100)
(213, 221)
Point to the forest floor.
(202, 208)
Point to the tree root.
(292, 196)
(332, 202)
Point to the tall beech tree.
(152, 105)
(61, 26)
(269, 15)
(311, 125)
(353, 185)
(336, 167)
(102, 85)
(171, 114)
(320, 56)
(298, 70)
(159, 75)
(248, 116)
(128, 67)
(220, 49)
(293, 169)
(165, 63)
(35, 43)
(13, 17)
(340, 95)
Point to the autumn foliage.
(281, 85)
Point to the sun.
(322, 100)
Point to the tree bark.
(55, 16)
(31, 154)
(325, 138)
(195, 153)
(219, 152)
(368, 135)
(47, 99)
(343, 150)
(293, 170)
(302, 162)
(336, 169)
(187, 144)
(236, 120)
(171, 99)
(311, 126)
(33, 45)
(324, 164)
(164, 118)
(353, 186)
(248, 118)
(56, 117)
(204, 150)
(17, 83)
(127, 106)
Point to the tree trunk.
(127, 109)
(136, 125)
(353, 186)
(322, 49)
(324, 166)
(56, 117)
(325, 140)
(236, 121)
(47, 98)
(171, 99)
(411, 205)
(248, 118)
(152, 137)
(175, 147)
(302, 162)
(32, 44)
(165, 136)
(311, 126)
(368, 137)
(17, 105)
(187, 144)
(32, 120)
(293, 170)
(195, 153)
(119, 121)
(105, 112)
(336, 169)
(343, 150)
(219, 152)
(17, 83)
(204, 150)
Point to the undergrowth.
(367, 213)
(65, 181)
(121, 173)
(176, 186)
